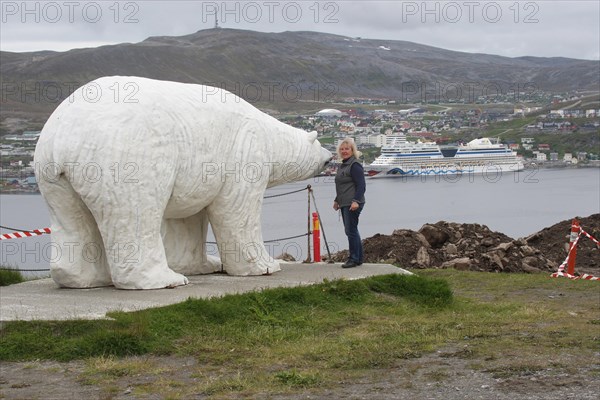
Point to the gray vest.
(344, 185)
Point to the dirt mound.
(553, 243)
(475, 247)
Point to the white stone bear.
(134, 169)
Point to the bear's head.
(303, 158)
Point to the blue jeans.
(350, 219)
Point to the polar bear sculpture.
(134, 169)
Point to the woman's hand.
(354, 206)
(336, 206)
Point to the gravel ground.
(443, 375)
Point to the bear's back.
(121, 109)
(115, 95)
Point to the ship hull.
(489, 169)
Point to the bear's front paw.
(258, 268)
(179, 281)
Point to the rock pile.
(553, 242)
(475, 247)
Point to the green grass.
(327, 140)
(9, 276)
(509, 128)
(532, 315)
(205, 327)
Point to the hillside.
(281, 67)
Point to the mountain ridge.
(352, 67)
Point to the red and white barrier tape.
(561, 268)
(584, 276)
(18, 235)
(593, 239)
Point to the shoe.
(350, 264)
(359, 263)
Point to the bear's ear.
(312, 136)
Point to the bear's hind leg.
(136, 255)
(78, 253)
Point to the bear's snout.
(326, 157)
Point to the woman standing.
(350, 197)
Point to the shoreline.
(529, 165)
(561, 165)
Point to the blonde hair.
(350, 142)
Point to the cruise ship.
(400, 157)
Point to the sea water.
(516, 204)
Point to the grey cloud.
(538, 28)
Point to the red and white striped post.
(575, 228)
(316, 238)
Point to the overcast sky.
(511, 28)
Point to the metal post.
(329, 260)
(308, 259)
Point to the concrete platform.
(43, 300)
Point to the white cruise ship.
(400, 157)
